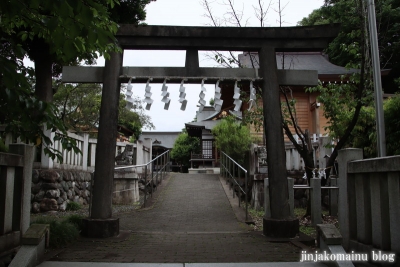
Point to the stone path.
(191, 222)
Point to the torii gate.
(265, 41)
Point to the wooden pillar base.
(286, 228)
(100, 228)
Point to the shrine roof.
(303, 61)
(299, 61)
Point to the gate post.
(101, 223)
(345, 207)
(281, 223)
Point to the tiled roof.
(299, 61)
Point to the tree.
(388, 26)
(364, 134)
(233, 138)
(344, 103)
(51, 33)
(79, 106)
(183, 147)
(255, 116)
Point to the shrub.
(61, 232)
(184, 146)
(233, 138)
(73, 206)
(75, 220)
(3, 147)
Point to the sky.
(192, 13)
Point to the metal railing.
(156, 168)
(232, 170)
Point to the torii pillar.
(101, 223)
(280, 224)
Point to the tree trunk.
(43, 71)
(40, 54)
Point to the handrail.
(234, 162)
(228, 170)
(141, 165)
(163, 170)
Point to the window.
(207, 148)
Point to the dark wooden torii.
(265, 41)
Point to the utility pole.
(380, 122)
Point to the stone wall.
(53, 189)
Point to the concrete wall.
(369, 202)
(15, 178)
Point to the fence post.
(220, 166)
(315, 185)
(28, 152)
(157, 170)
(145, 185)
(225, 166)
(152, 178)
(267, 203)
(394, 208)
(291, 195)
(229, 172)
(246, 196)
(46, 161)
(333, 197)
(85, 151)
(345, 207)
(233, 180)
(164, 164)
(239, 187)
(8, 140)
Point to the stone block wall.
(53, 189)
(126, 187)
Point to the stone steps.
(204, 171)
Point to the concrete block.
(35, 234)
(328, 234)
(384, 164)
(100, 228)
(285, 228)
(29, 255)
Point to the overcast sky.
(191, 13)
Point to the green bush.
(75, 220)
(3, 147)
(184, 146)
(61, 232)
(73, 206)
(233, 138)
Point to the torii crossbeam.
(265, 41)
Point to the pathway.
(191, 222)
